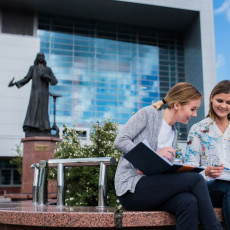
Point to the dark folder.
(147, 161)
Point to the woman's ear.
(176, 105)
(211, 99)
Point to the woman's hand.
(214, 171)
(167, 152)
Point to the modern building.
(111, 57)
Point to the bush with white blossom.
(82, 182)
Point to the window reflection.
(108, 70)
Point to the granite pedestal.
(34, 150)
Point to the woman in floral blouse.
(209, 146)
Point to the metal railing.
(40, 177)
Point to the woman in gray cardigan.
(184, 194)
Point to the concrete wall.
(203, 40)
(193, 63)
(208, 49)
(17, 53)
(179, 4)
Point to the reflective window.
(107, 69)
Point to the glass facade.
(108, 70)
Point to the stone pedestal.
(34, 150)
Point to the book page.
(225, 175)
(147, 144)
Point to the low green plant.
(17, 161)
(82, 182)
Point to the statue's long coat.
(37, 112)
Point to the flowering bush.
(82, 182)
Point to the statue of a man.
(37, 117)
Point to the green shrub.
(17, 161)
(82, 182)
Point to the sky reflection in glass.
(100, 78)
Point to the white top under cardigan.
(145, 124)
(166, 136)
(207, 145)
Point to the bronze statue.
(37, 117)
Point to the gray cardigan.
(145, 124)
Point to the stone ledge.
(18, 196)
(25, 214)
(20, 214)
(156, 218)
(26, 196)
(41, 138)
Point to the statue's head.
(40, 59)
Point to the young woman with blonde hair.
(209, 146)
(184, 194)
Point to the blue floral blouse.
(207, 145)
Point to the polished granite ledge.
(19, 213)
(16, 215)
(156, 218)
(141, 219)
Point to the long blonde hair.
(221, 87)
(182, 92)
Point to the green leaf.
(82, 182)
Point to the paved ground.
(4, 200)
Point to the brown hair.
(182, 92)
(221, 87)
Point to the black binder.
(147, 161)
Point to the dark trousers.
(185, 194)
(220, 195)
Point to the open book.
(225, 175)
(147, 161)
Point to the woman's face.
(221, 105)
(186, 112)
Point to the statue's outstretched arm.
(23, 81)
(11, 83)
